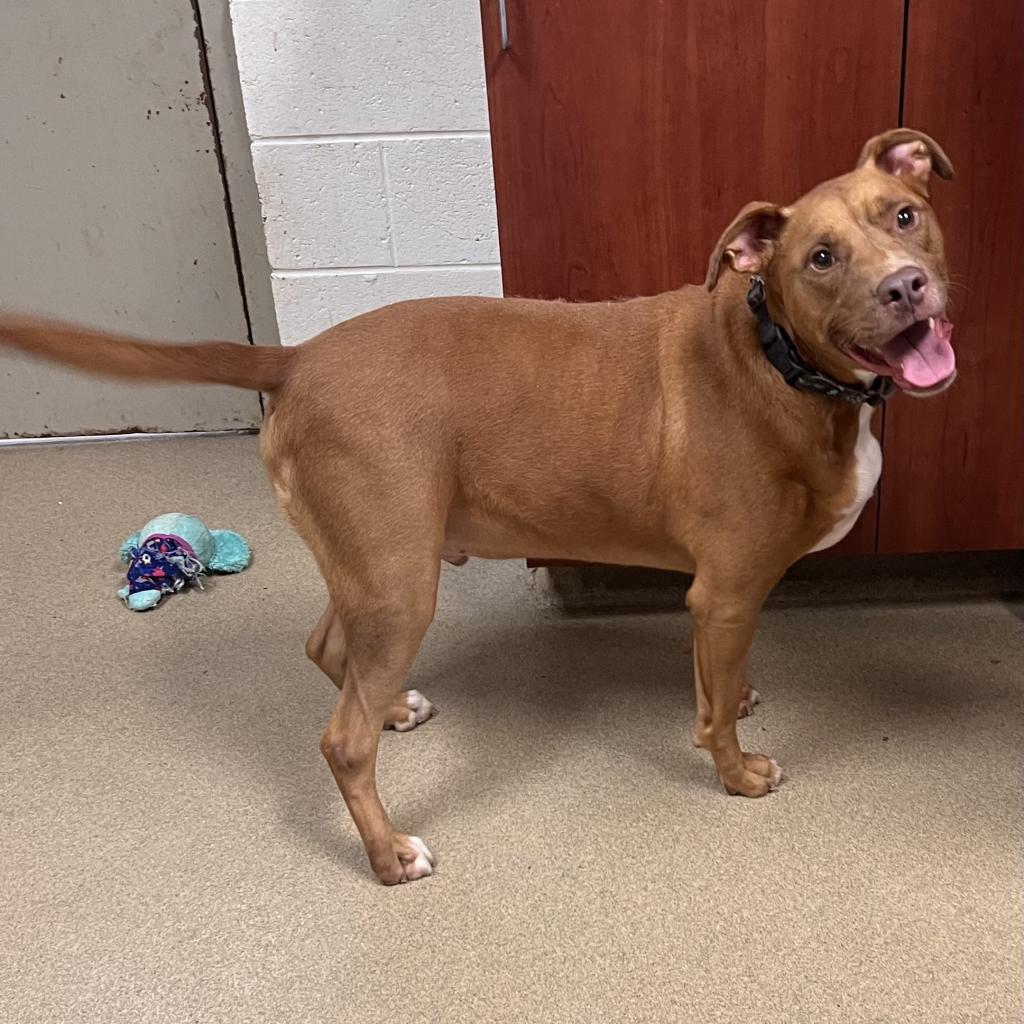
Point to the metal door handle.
(503, 18)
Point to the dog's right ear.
(748, 243)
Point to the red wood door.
(627, 135)
(954, 465)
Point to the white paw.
(776, 776)
(420, 709)
(748, 703)
(422, 864)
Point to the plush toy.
(173, 550)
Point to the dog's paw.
(414, 857)
(761, 775)
(411, 710)
(765, 766)
(747, 702)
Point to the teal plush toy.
(173, 550)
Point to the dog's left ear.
(908, 154)
(748, 243)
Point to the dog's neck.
(820, 433)
(782, 349)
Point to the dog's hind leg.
(383, 638)
(380, 555)
(327, 650)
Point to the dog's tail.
(111, 355)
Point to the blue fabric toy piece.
(172, 551)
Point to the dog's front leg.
(724, 619)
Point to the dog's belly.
(468, 535)
(867, 455)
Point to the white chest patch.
(867, 467)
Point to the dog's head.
(855, 269)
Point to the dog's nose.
(903, 289)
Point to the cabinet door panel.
(627, 135)
(954, 465)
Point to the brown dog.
(655, 431)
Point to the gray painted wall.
(112, 205)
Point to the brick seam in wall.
(312, 140)
(382, 268)
(387, 203)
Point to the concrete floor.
(173, 849)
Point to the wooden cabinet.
(954, 466)
(627, 135)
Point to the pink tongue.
(925, 361)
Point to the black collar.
(782, 354)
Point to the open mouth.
(917, 359)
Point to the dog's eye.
(822, 259)
(906, 218)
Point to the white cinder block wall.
(370, 144)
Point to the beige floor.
(173, 849)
